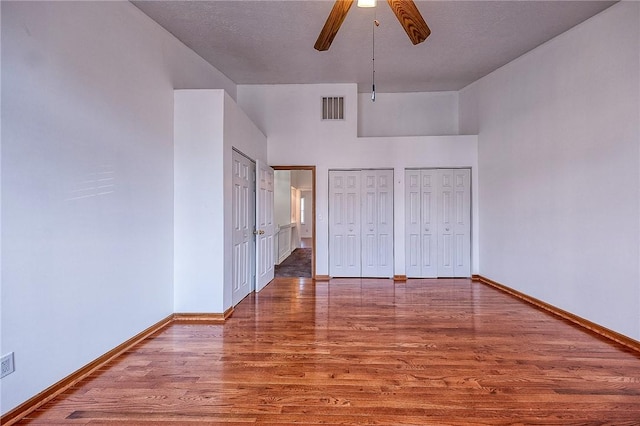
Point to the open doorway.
(294, 216)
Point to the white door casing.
(265, 226)
(243, 212)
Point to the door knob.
(261, 232)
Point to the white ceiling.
(271, 42)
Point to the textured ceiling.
(271, 42)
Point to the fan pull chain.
(373, 56)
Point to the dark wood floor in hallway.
(446, 352)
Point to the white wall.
(290, 116)
(282, 197)
(295, 230)
(87, 182)
(302, 179)
(559, 158)
(208, 126)
(87, 94)
(408, 114)
(306, 229)
(243, 135)
(198, 194)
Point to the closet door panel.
(413, 223)
(384, 223)
(445, 223)
(438, 223)
(429, 224)
(361, 223)
(462, 223)
(369, 224)
(344, 223)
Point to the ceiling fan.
(405, 10)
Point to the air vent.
(333, 108)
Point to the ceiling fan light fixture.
(405, 10)
(366, 3)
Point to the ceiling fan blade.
(411, 20)
(331, 27)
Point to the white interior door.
(462, 223)
(377, 223)
(421, 224)
(446, 249)
(438, 223)
(429, 227)
(344, 223)
(361, 223)
(265, 228)
(243, 226)
(369, 223)
(454, 223)
(412, 223)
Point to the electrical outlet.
(7, 364)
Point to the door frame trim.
(313, 208)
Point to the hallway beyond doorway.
(297, 265)
(306, 242)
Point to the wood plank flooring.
(446, 352)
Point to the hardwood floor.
(365, 352)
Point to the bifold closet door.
(361, 223)
(438, 223)
(421, 240)
(454, 223)
(344, 223)
(377, 223)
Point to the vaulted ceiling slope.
(271, 42)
